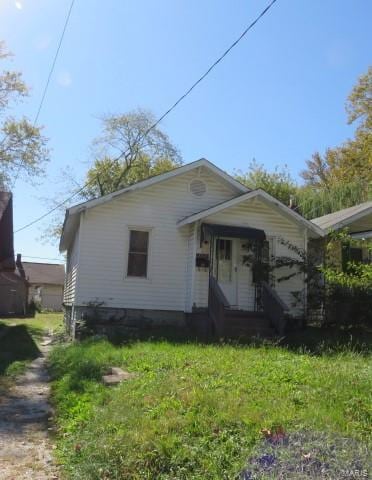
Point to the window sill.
(131, 278)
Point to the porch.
(241, 300)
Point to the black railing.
(217, 303)
(274, 308)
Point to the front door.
(225, 268)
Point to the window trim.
(139, 228)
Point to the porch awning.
(234, 232)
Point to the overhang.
(234, 232)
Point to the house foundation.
(86, 320)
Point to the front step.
(249, 332)
(240, 323)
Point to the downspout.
(193, 268)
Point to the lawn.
(197, 411)
(19, 339)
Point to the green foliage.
(129, 151)
(359, 105)
(348, 288)
(313, 202)
(276, 269)
(352, 161)
(195, 411)
(279, 183)
(108, 175)
(22, 145)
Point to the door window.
(224, 259)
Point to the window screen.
(138, 253)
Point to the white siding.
(51, 297)
(257, 214)
(69, 293)
(105, 236)
(201, 278)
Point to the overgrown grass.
(196, 411)
(19, 339)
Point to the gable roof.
(160, 178)
(70, 223)
(50, 273)
(294, 216)
(344, 217)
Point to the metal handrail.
(217, 303)
(274, 307)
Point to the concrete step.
(250, 322)
(249, 332)
(231, 312)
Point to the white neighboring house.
(174, 244)
(46, 282)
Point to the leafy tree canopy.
(278, 183)
(23, 149)
(127, 151)
(352, 161)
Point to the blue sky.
(278, 97)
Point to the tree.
(22, 146)
(314, 202)
(359, 104)
(279, 183)
(127, 151)
(352, 161)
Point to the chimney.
(20, 266)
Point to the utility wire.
(209, 69)
(51, 70)
(53, 209)
(165, 114)
(54, 61)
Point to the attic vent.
(198, 187)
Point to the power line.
(51, 70)
(167, 112)
(54, 61)
(53, 209)
(208, 71)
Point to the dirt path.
(25, 449)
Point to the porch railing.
(274, 308)
(217, 303)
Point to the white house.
(174, 245)
(45, 284)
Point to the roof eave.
(249, 195)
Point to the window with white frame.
(138, 253)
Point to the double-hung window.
(138, 253)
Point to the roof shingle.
(50, 273)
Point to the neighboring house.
(357, 221)
(13, 286)
(171, 248)
(46, 284)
